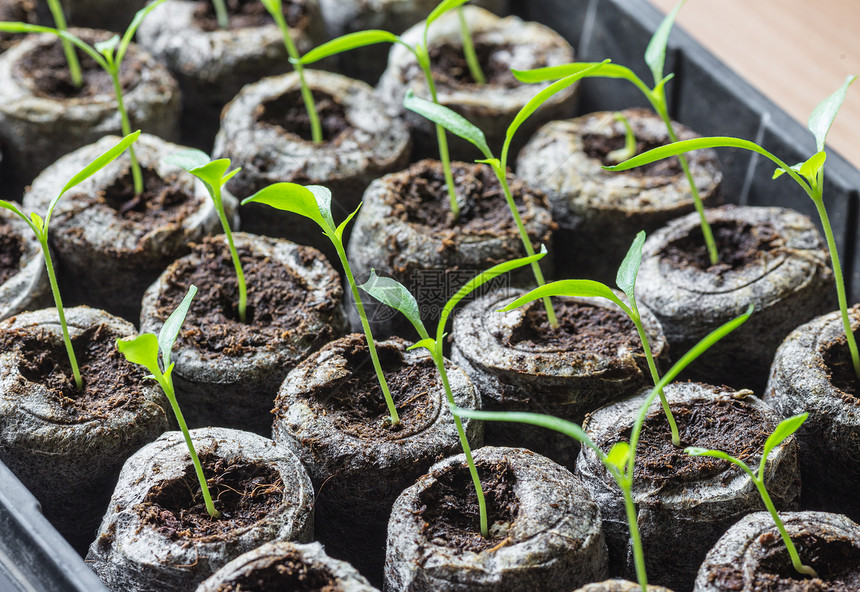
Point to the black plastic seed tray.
(706, 96)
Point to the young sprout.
(68, 48)
(626, 280)
(629, 150)
(314, 202)
(620, 461)
(394, 294)
(143, 350)
(107, 54)
(422, 56)
(39, 226)
(785, 429)
(809, 175)
(221, 14)
(460, 126)
(275, 9)
(655, 57)
(469, 49)
(215, 175)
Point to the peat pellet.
(502, 44)
(751, 556)
(544, 529)
(157, 535)
(598, 212)
(332, 412)
(519, 363)
(772, 258)
(67, 446)
(282, 566)
(41, 119)
(111, 244)
(685, 503)
(228, 371)
(812, 372)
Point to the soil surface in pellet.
(244, 492)
(288, 112)
(450, 507)
(110, 382)
(284, 574)
(11, 251)
(738, 243)
(249, 13)
(162, 202)
(449, 66)
(840, 370)
(599, 146)
(355, 403)
(278, 302)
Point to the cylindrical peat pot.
(157, 535)
(332, 412)
(501, 44)
(43, 116)
(227, 371)
(67, 446)
(405, 230)
(685, 503)
(111, 244)
(213, 64)
(751, 556)
(266, 131)
(23, 278)
(519, 363)
(281, 566)
(544, 529)
(812, 372)
(349, 16)
(598, 212)
(773, 258)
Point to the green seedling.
(469, 49)
(221, 14)
(215, 175)
(422, 56)
(621, 458)
(460, 126)
(626, 280)
(69, 49)
(274, 7)
(785, 429)
(39, 226)
(629, 150)
(655, 57)
(107, 54)
(314, 202)
(809, 175)
(392, 293)
(143, 350)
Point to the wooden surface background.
(796, 52)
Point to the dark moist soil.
(11, 251)
(244, 492)
(598, 147)
(249, 13)
(450, 507)
(278, 302)
(285, 574)
(162, 202)
(109, 381)
(738, 243)
(837, 563)
(21, 11)
(355, 404)
(423, 199)
(840, 370)
(47, 71)
(450, 68)
(581, 327)
(732, 426)
(288, 112)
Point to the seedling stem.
(469, 49)
(274, 8)
(221, 14)
(68, 48)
